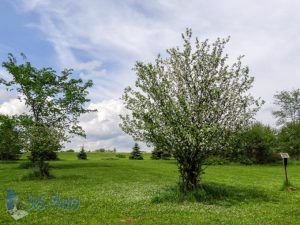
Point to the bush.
(245, 161)
(82, 154)
(136, 153)
(215, 160)
(110, 158)
(121, 156)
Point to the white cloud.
(102, 40)
(102, 128)
(13, 107)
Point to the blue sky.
(101, 40)
(19, 35)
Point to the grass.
(126, 191)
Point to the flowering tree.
(189, 102)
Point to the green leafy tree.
(136, 153)
(10, 138)
(55, 102)
(256, 143)
(82, 154)
(289, 106)
(289, 139)
(188, 102)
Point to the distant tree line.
(105, 150)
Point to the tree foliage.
(136, 153)
(289, 139)
(82, 154)
(161, 154)
(289, 106)
(256, 143)
(10, 138)
(55, 102)
(188, 102)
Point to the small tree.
(289, 106)
(55, 103)
(136, 153)
(82, 154)
(188, 102)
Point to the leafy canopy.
(289, 106)
(10, 138)
(188, 102)
(53, 100)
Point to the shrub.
(82, 154)
(136, 153)
(245, 161)
(110, 158)
(120, 155)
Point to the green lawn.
(121, 191)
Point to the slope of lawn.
(120, 191)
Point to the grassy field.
(122, 191)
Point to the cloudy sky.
(101, 40)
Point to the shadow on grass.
(10, 161)
(79, 164)
(26, 165)
(212, 193)
(32, 176)
(287, 186)
(71, 177)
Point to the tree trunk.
(190, 171)
(43, 169)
